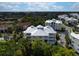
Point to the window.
(46, 36)
(72, 41)
(28, 34)
(72, 45)
(78, 49)
(45, 40)
(50, 34)
(51, 40)
(40, 36)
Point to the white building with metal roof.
(71, 21)
(49, 29)
(29, 30)
(58, 25)
(45, 32)
(74, 41)
(75, 15)
(62, 16)
(77, 27)
(39, 31)
(55, 24)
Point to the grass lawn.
(2, 41)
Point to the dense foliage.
(36, 47)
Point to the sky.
(39, 6)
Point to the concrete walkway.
(62, 40)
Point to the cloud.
(30, 6)
(75, 6)
(43, 7)
(6, 6)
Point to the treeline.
(17, 15)
(36, 18)
(11, 16)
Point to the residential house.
(75, 15)
(75, 41)
(55, 24)
(77, 27)
(71, 21)
(61, 17)
(44, 32)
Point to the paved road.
(62, 40)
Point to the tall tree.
(39, 47)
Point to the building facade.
(55, 24)
(44, 32)
(71, 21)
(77, 27)
(74, 41)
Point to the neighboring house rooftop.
(66, 18)
(71, 19)
(77, 26)
(58, 21)
(49, 29)
(62, 16)
(74, 14)
(53, 20)
(75, 35)
(48, 21)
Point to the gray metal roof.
(40, 27)
(58, 21)
(39, 32)
(53, 20)
(29, 29)
(48, 21)
(75, 35)
(49, 29)
(71, 19)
